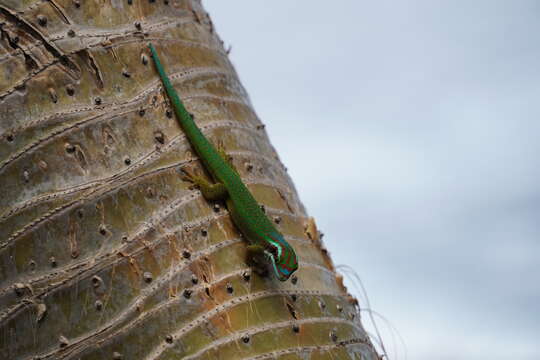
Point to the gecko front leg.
(255, 259)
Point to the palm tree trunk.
(105, 252)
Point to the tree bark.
(105, 252)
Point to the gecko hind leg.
(211, 192)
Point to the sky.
(411, 131)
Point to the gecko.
(264, 239)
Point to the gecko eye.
(274, 251)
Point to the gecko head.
(282, 256)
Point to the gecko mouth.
(278, 271)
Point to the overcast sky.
(427, 114)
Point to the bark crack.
(60, 11)
(92, 64)
(28, 28)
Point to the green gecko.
(265, 240)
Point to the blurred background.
(410, 129)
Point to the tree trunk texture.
(105, 252)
